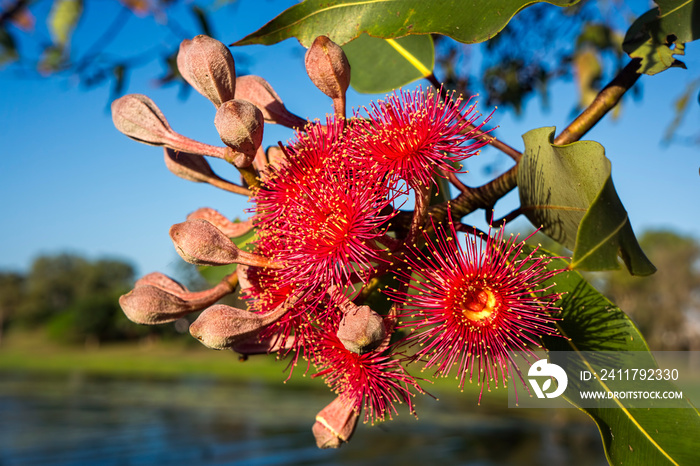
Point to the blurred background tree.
(665, 305)
(72, 299)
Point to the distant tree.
(11, 295)
(74, 298)
(663, 305)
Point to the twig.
(500, 145)
(452, 178)
(507, 218)
(602, 104)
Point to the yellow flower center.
(479, 304)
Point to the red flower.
(411, 135)
(320, 212)
(372, 381)
(313, 153)
(475, 304)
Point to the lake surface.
(196, 421)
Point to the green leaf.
(382, 65)
(468, 21)
(63, 18)
(567, 190)
(650, 37)
(631, 436)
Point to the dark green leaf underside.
(568, 192)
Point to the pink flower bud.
(335, 423)
(328, 68)
(222, 326)
(158, 299)
(163, 282)
(259, 92)
(226, 226)
(150, 305)
(361, 330)
(191, 167)
(207, 65)
(240, 126)
(138, 117)
(201, 243)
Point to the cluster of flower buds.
(329, 237)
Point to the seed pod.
(240, 126)
(335, 423)
(256, 90)
(208, 66)
(138, 117)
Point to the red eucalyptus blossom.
(411, 135)
(373, 381)
(319, 214)
(475, 304)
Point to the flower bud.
(226, 226)
(201, 243)
(157, 299)
(138, 117)
(335, 423)
(240, 126)
(191, 167)
(328, 68)
(256, 90)
(163, 282)
(222, 326)
(149, 305)
(361, 330)
(207, 65)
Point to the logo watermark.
(544, 368)
(604, 379)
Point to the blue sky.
(70, 182)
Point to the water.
(97, 421)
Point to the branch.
(606, 99)
(482, 197)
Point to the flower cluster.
(328, 230)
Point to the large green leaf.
(631, 436)
(673, 22)
(382, 65)
(567, 191)
(468, 21)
